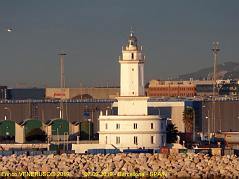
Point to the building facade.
(82, 93)
(132, 127)
(3, 92)
(171, 88)
(192, 88)
(25, 93)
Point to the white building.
(132, 127)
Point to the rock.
(45, 168)
(51, 156)
(175, 165)
(155, 167)
(119, 164)
(182, 174)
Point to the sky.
(176, 36)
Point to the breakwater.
(160, 165)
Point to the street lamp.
(89, 120)
(58, 136)
(10, 112)
(66, 141)
(60, 111)
(194, 135)
(208, 124)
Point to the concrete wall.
(82, 148)
(132, 106)
(20, 135)
(226, 116)
(177, 109)
(58, 93)
(177, 117)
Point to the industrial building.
(74, 111)
(171, 88)
(221, 115)
(3, 92)
(25, 93)
(82, 93)
(192, 88)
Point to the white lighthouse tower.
(132, 127)
(132, 69)
(132, 100)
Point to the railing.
(57, 101)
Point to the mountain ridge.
(227, 70)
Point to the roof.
(49, 122)
(25, 121)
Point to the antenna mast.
(215, 50)
(62, 81)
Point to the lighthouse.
(132, 69)
(132, 127)
(132, 99)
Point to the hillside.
(228, 70)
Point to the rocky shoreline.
(139, 165)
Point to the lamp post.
(58, 137)
(208, 124)
(62, 81)
(60, 111)
(66, 141)
(194, 135)
(215, 50)
(10, 112)
(89, 120)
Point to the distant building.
(82, 93)
(226, 115)
(192, 88)
(171, 88)
(26, 93)
(3, 92)
(229, 88)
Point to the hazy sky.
(176, 36)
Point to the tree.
(172, 133)
(188, 119)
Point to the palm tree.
(172, 133)
(188, 119)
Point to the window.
(135, 140)
(117, 126)
(135, 125)
(106, 140)
(152, 139)
(117, 140)
(132, 55)
(132, 69)
(106, 126)
(152, 125)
